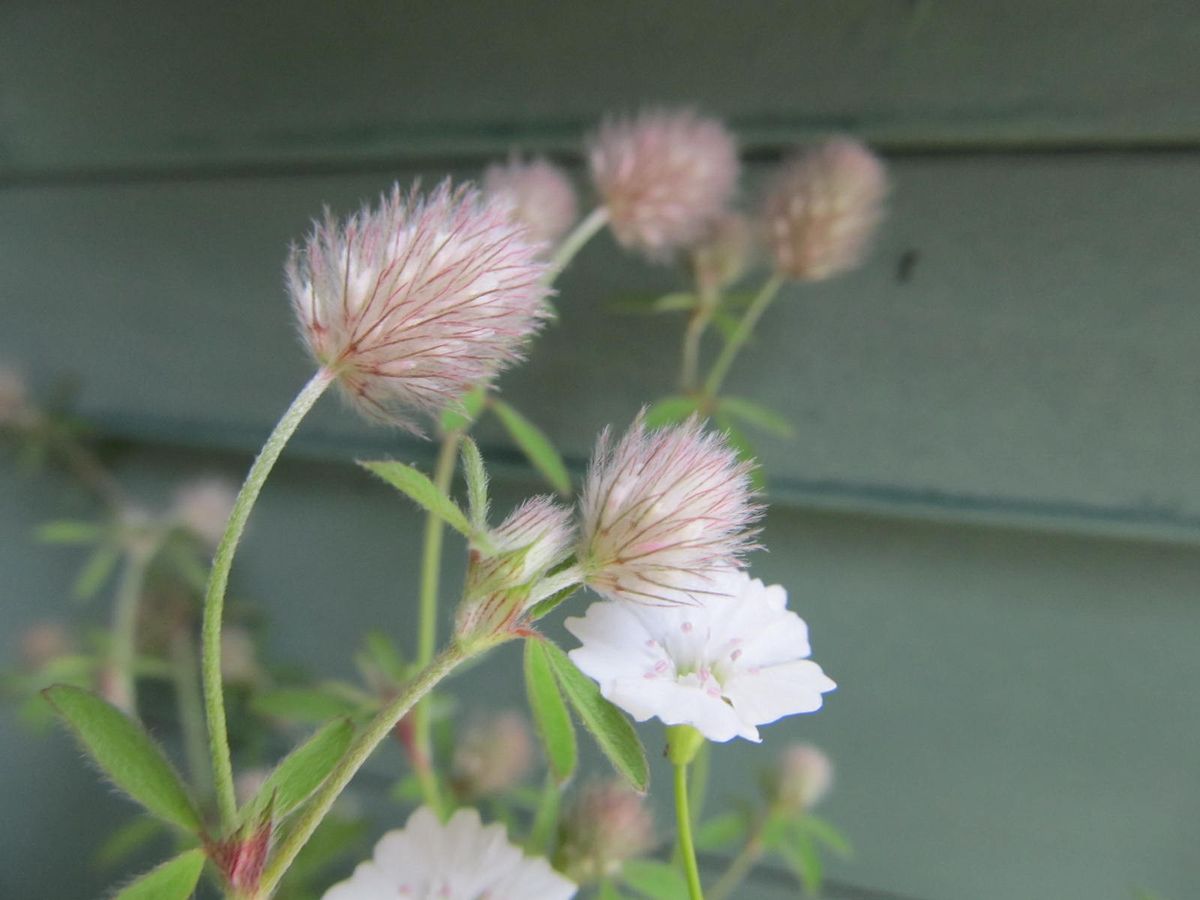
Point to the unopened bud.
(802, 778)
(493, 756)
(607, 825)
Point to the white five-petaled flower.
(664, 512)
(461, 860)
(723, 665)
(663, 177)
(822, 209)
(414, 303)
(538, 193)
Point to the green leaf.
(656, 880)
(302, 771)
(70, 531)
(477, 483)
(801, 855)
(423, 492)
(126, 754)
(173, 880)
(826, 834)
(608, 891)
(654, 304)
(670, 411)
(458, 417)
(95, 572)
(720, 831)
(311, 705)
(536, 446)
(382, 653)
(128, 839)
(757, 415)
(745, 451)
(607, 724)
(550, 714)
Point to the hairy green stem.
(745, 327)
(431, 574)
(702, 315)
(687, 847)
(299, 831)
(218, 579)
(123, 653)
(587, 228)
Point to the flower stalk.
(124, 629)
(745, 327)
(683, 743)
(218, 580)
(587, 229)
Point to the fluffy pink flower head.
(823, 208)
(538, 194)
(664, 513)
(663, 177)
(722, 255)
(493, 756)
(606, 825)
(415, 302)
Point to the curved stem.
(588, 228)
(687, 847)
(745, 328)
(124, 639)
(431, 573)
(738, 869)
(377, 729)
(218, 579)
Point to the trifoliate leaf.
(670, 411)
(550, 714)
(757, 415)
(418, 488)
(536, 447)
(302, 771)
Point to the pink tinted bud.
(415, 302)
(203, 507)
(802, 778)
(663, 177)
(538, 194)
(493, 756)
(241, 859)
(722, 255)
(14, 398)
(44, 642)
(665, 513)
(606, 825)
(822, 209)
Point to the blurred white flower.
(538, 194)
(723, 665)
(663, 177)
(461, 860)
(413, 304)
(664, 512)
(822, 209)
(203, 507)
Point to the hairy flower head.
(822, 209)
(664, 513)
(538, 193)
(413, 303)
(724, 665)
(663, 177)
(722, 255)
(607, 824)
(461, 860)
(493, 755)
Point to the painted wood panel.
(1038, 365)
(101, 86)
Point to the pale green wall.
(990, 514)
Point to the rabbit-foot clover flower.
(822, 209)
(415, 302)
(723, 254)
(461, 860)
(606, 825)
(510, 572)
(723, 665)
(663, 177)
(493, 756)
(538, 194)
(664, 513)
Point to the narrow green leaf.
(656, 880)
(653, 304)
(302, 771)
(757, 415)
(670, 411)
(311, 705)
(126, 754)
(739, 442)
(536, 446)
(173, 880)
(95, 572)
(550, 714)
(825, 833)
(477, 483)
(607, 724)
(128, 839)
(802, 857)
(418, 488)
(720, 831)
(382, 652)
(608, 891)
(70, 531)
(726, 324)
(458, 417)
